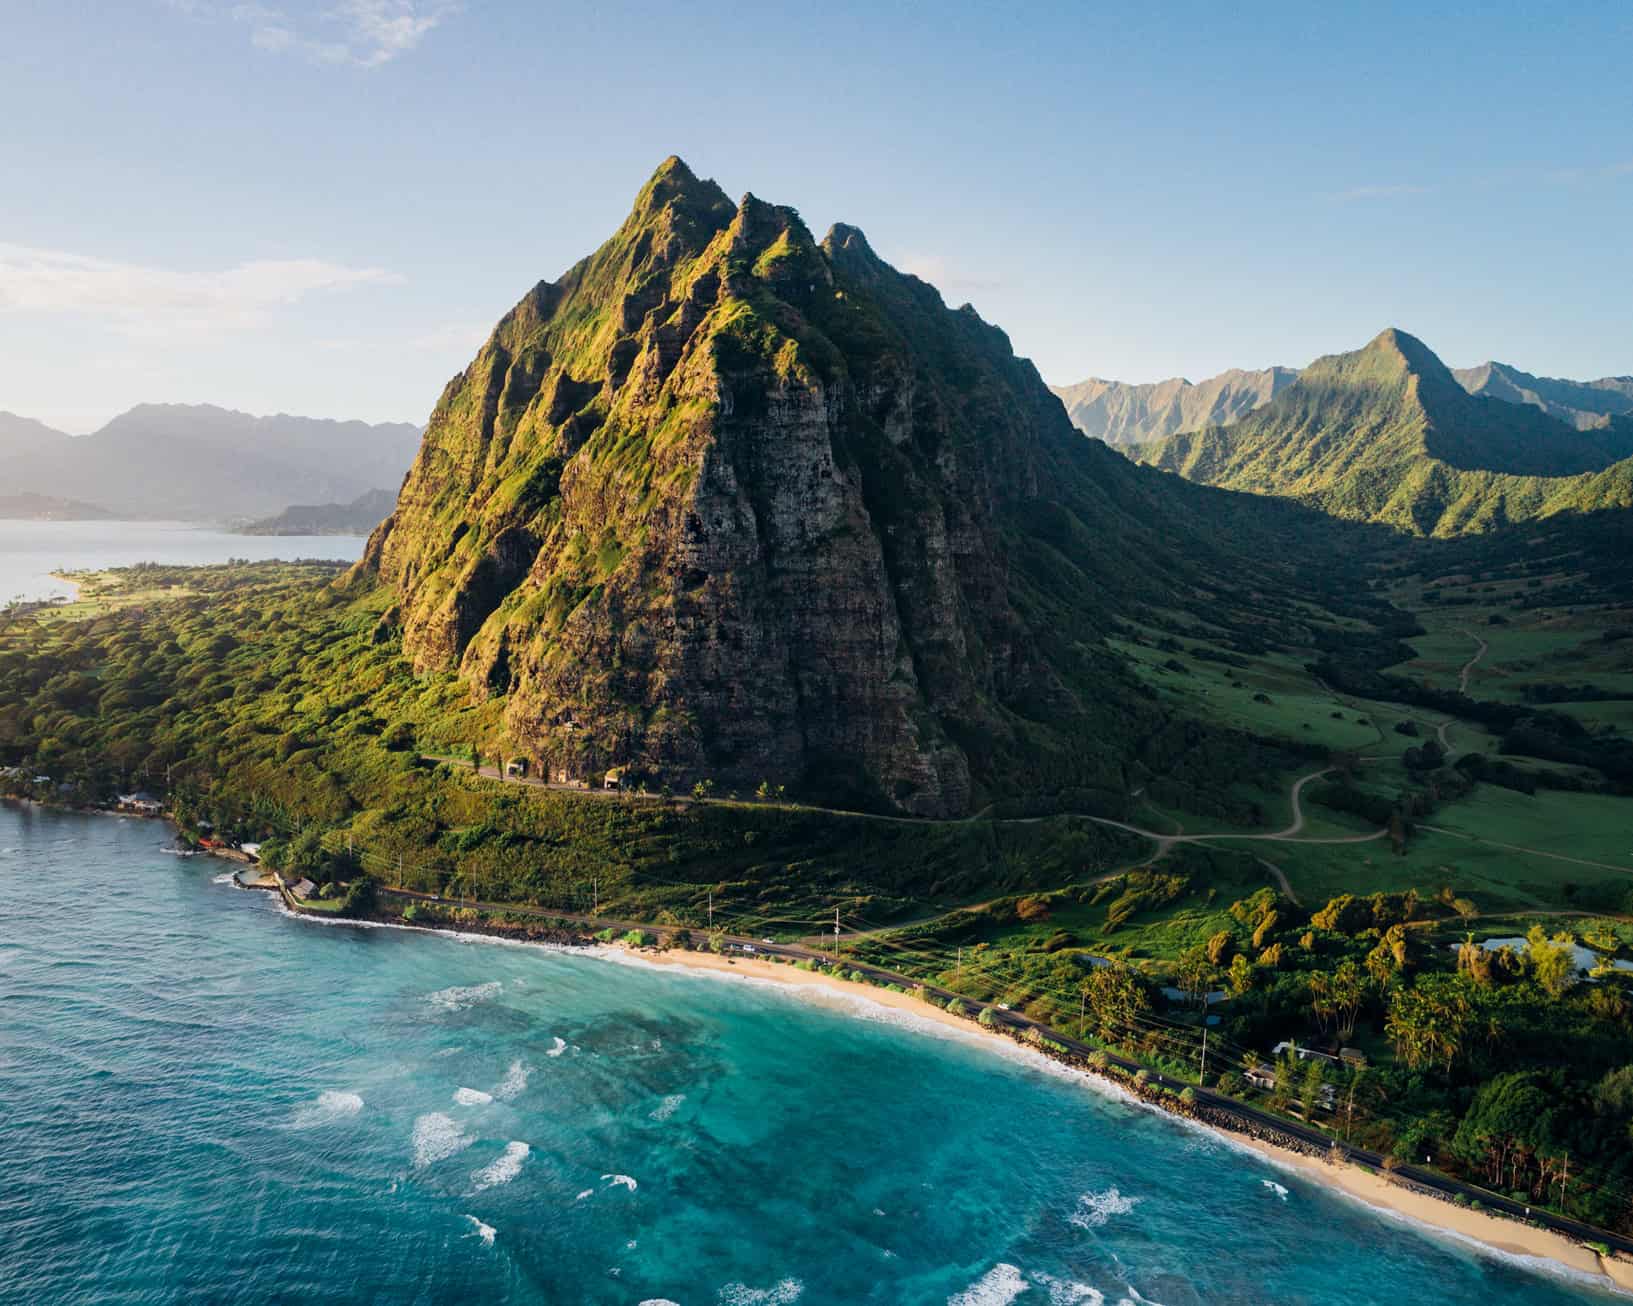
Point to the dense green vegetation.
(1386, 434)
(270, 702)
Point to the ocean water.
(31, 550)
(205, 1100)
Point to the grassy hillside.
(1387, 435)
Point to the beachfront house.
(303, 888)
(141, 803)
(614, 779)
(1304, 1054)
(250, 850)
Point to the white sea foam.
(667, 1107)
(1276, 1188)
(997, 1287)
(514, 1083)
(557, 1047)
(1094, 1209)
(588, 1192)
(781, 1293)
(483, 1231)
(1066, 1292)
(226, 877)
(659, 1301)
(472, 1097)
(502, 1170)
(436, 1138)
(613, 1180)
(457, 997)
(330, 1107)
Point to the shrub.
(986, 1018)
(1100, 1058)
(1187, 1095)
(1142, 1077)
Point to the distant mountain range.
(1583, 404)
(1388, 434)
(39, 507)
(1122, 413)
(358, 517)
(203, 463)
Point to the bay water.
(31, 550)
(207, 1100)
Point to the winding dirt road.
(1468, 667)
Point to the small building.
(1261, 1078)
(141, 803)
(303, 888)
(517, 768)
(1303, 1054)
(250, 850)
(614, 779)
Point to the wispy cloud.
(1505, 179)
(1383, 192)
(355, 33)
(145, 299)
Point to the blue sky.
(320, 206)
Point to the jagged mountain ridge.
(1582, 404)
(198, 462)
(726, 502)
(1121, 413)
(1388, 434)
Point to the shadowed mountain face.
(1388, 434)
(1582, 404)
(725, 501)
(1124, 414)
(197, 462)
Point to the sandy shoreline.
(1497, 1233)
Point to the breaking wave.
(436, 1138)
(483, 1231)
(330, 1107)
(1276, 1188)
(503, 1170)
(613, 1180)
(459, 996)
(557, 1047)
(1094, 1209)
(514, 1082)
(472, 1097)
(778, 1294)
(997, 1287)
(667, 1107)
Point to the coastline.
(1545, 1250)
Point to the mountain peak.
(674, 185)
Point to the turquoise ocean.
(205, 1100)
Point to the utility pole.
(1082, 1000)
(836, 932)
(1203, 1073)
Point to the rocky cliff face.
(1123, 414)
(728, 502)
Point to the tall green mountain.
(729, 502)
(1387, 434)
(1582, 404)
(1120, 413)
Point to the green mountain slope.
(1387, 434)
(1120, 413)
(727, 502)
(358, 517)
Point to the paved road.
(1014, 1020)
